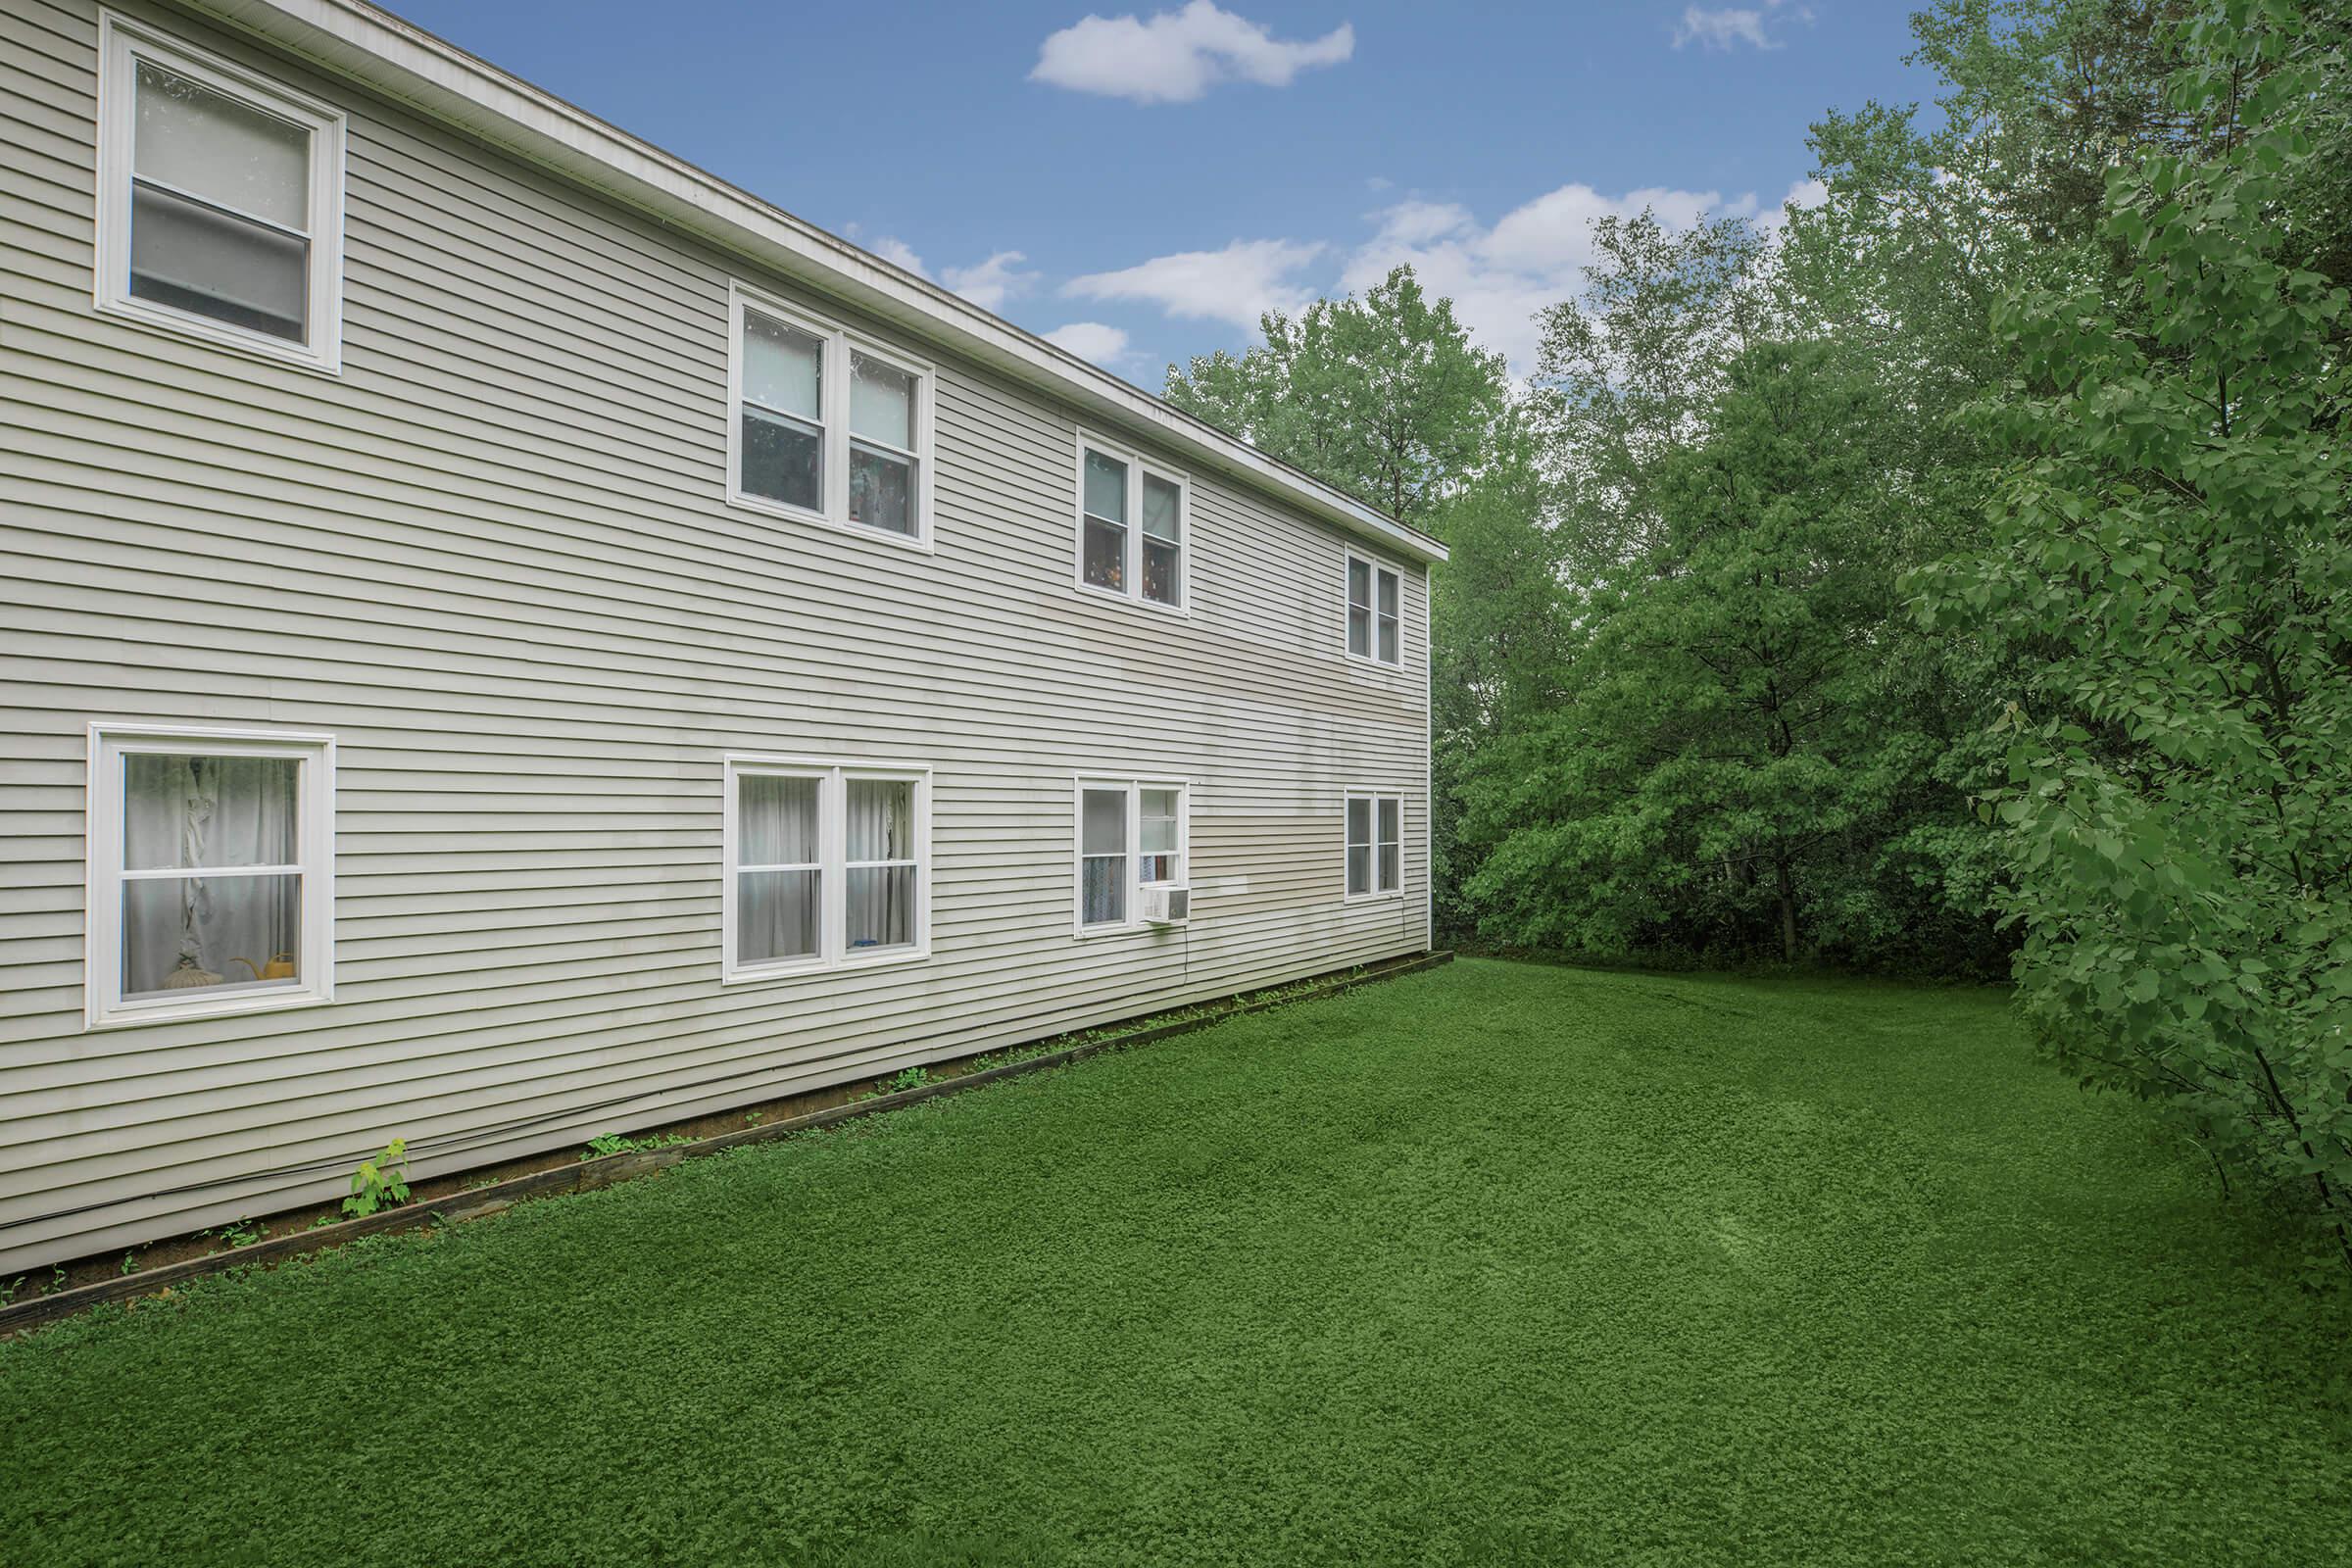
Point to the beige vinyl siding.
(493, 559)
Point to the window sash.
(1373, 853)
(1375, 612)
(840, 445)
(1135, 533)
(830, 871)
(1130, 855)
(309, 333)
(216, 940)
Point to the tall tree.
(1384, 396)
(2172, 550)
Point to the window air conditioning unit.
(1167, 906)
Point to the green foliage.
(1384, 396)
(379, 1183)
(614, 1144)
(1738, 755)
(238, 1233)
(130, 1262)
(897, 1083)
(2173, 551)
(1668, 1270)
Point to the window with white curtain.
(827, 428)
(1375, 596)
(1375, 847)
(1131, 527)
(1132, 833)
(221, 199)
(211, 882)
(827, 864)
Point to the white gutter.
(402, 61)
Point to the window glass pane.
(1389, 654)
(1359, 868)
(1163, 577)
(1164, 508)
(775, 820)
(881, 825)
(1105, 556)
(781, 368)
(1106, 487)
(1391, 816)
(220, 150)
(1360, 820)
(1359, 584)
(1158, 827)
(881, 403)
(1388, 593)
(194, 258)
(782, 460)
(188, 933)
(1104, 830)
(209, 811)
(882, 491)
(1390, 879)
(1359, 632)
(776, 916)
(881, 912)
(1159, 867)
(1102, 890)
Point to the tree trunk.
(1788, 887)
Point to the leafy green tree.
(1384, 396)
(1733, 753)
(2172, 553)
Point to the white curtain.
(775, 911)
(880, 898)
(209, 814)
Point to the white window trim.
(1134, 784)
(833, 407)
(1131, 568)
(1377, 567)
(832, 829)
(102, 958)
(122, 43)
(1376, 894)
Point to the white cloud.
(1176, 56)
(990, 283)
(1236, 284)
(899, 252)
(1092, 340)
(1500, 276)
(1723, 26)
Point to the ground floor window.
(1375, 845)
(828, 863)
(211, 879)
(1132, 835)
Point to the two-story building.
(508, 637)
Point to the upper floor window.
(1374, 593)
(1375, 845)
(211, 875)
(221, 200)
(827, 864)
(1132, 835)
(1131, 522)
(827, 426)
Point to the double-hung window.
(828, 863)
(1375, 845)
(211, 871)
(1132, 525)
(828, 427)
(220, 200)
(1373, 596)
(1132, 834)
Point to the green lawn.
(1494, 1264)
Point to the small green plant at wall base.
(614, 1144)
(897, 1083)
(130, 1263)
(379, 1183)
(239, 1232)
(8, 1292)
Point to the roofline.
(403, 62)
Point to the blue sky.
(1140, 182)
